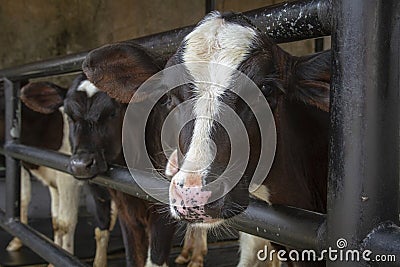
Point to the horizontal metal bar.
(285, 225)
(120, 178)
(295, 20)
(39, 243)
(384, 240)
(284, 22)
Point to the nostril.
(178, 183)
(83, 162)
(175, 194)
(90, 162)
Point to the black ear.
(119, 69)
(311, 78)
(43, 97)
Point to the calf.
(95, 122)
(46, 131)
(296, 88)
(53, 133)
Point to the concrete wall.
(41, 29)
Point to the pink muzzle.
(187, 197)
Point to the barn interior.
(39, 30)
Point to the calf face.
(220, 46)
(95, 122)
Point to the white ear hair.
(172, 165)
(88, 87)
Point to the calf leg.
(162, 231)
(249, 247)
(49, 178)
(135, 241)
(199, 247)
(184, 256)
(194, 247)
(106, 215)
(15, 243)
(54, 215)
(102, 238)
(69, 192)
(132, 214)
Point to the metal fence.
(363, 182)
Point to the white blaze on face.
(218, 47)
(88, 87)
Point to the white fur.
(172, 165)
(102, 238)
(195, 243)
(64, 192)
(249, 246)
(149, 263)
(213, 51)
(262, 193)
(218, 47)
(88, 87)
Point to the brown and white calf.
(95, 123)
(46, 131)
(47, 127)
(296, 88)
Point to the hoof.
(182, 259)
(14, 244)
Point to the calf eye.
(169, 101)
(113, 114)
(266, 90)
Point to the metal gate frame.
(363, 179)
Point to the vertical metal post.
(12, 132)
(210, 6)
(364, 146)
(319, 44)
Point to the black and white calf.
(47, 131)
(296, 88)
(42, 99)
(95, 125)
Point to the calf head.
(222, 45)
(94, 119)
